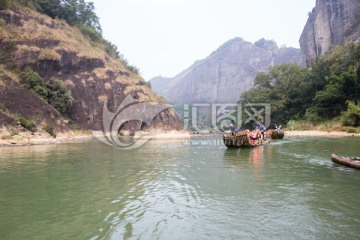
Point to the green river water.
(177, 189)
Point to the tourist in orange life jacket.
(254, 135)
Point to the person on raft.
(255, 135)
(261, 128)
(278, 128)
(233, 129)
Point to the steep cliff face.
(228, 71)
(331, 22)
(52, 48)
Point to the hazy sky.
(164, 37)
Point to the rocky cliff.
(227, 72)
(331, 22)
(51, 48)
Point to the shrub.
(111, 49)
(58, 95)
(2, 108)
(54, 91)
(30, 79)
(90, 32)
(4, 4)
(352, 130)
(352, 116)
(49, 54)
(50, 130)
(41, 92)
(133, 69)
(14, 132)
(9, 46)
(26, 123)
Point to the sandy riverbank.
(27, 138)
(41, 138)
(317, 133)
(294, 133)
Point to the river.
(178, 189)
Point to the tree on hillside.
(280, 88)
(318, 93)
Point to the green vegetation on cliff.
(59, 77)
(53, 91)
(328, 88)
(76, 13)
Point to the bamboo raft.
(242, 140)
(353, 162)
(274, 134)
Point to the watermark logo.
(220, 115)
(198, 116)
(129, 110)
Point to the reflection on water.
(171, 190)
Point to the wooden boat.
(274, 134)
(353, 162)
(242, 140)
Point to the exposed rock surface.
(331, 22)
(54, 49)
(227, 72)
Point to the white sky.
(164, 37)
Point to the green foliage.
(50, 130)
(280, 88)
(52, 8)
(53, 91)
(317, 93)
(14, 133)
(9, 46)
(111, 49)
(58, 95)
(352, 116)
(90, 32)
(40, 91)
(4, 4)
(30, 79)
(26, 123)
(76, 13)
(352, 130)
(133, 69)
(49, 54)
(2, 108)
(74, 125)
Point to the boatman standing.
(233, 129)
(261, 128)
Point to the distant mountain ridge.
(226, 72)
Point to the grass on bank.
(327, 126)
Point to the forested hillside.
(328, 89)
